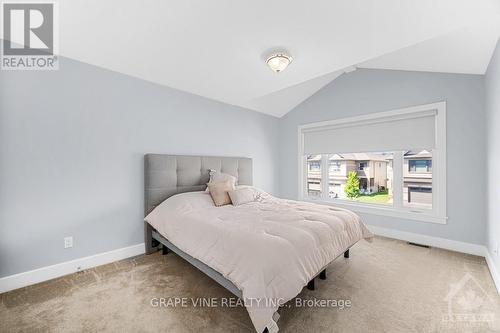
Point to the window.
(314, 175)
(417, 186)
(383, 172)
(372, 184)
(335, 166)
(314, 166)
(420, 166)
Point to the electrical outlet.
(495, 250)
(68, 242)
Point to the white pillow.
(220, 177)
(242, 196)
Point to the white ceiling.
(466, 50)
(217, 48)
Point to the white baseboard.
(443, 243)
(51, 272)
(494, 270)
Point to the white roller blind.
(402, 132)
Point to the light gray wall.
(366, 91)
(71, 156)
(492, 84)
(72, 141)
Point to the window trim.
(438, 212)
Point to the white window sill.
(418, 215)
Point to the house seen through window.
(369, 177)
(314, 175)
(417, 179)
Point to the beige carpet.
(393, 287)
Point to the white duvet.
(270, 249)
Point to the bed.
(229, 243)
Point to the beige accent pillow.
(219, 192)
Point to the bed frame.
(167, 175)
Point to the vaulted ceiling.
(217, 48)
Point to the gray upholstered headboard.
(166, 175)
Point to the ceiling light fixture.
(279, 61)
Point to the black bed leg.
(150, 243)
(266, 330)
(164, 250)
(346, 254)
(310, 285)
(322, 275)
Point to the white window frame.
(435, 215)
